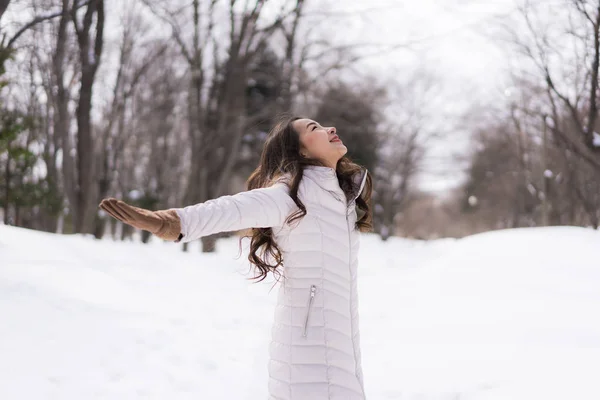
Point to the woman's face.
(319, 142)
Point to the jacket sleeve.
(256, 208)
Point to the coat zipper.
(313, 290)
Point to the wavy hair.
(281, 156)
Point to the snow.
(135, 194)
(504, 315)
(596, 140)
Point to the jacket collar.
(326, 178)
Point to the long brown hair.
(281, 155)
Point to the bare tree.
(218, 69)
(77, 152)
(89, 32)
(521, 175)
(135, 60)
(46, 115)
(402, 149)
(555, 131)
(565, 53)
(7, 42)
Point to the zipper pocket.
(313, 290)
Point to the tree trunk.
(90, 59)
(209, 244)
(3, 7)
(60, 102)
(7, 179)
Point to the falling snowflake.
(596, 140)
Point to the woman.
(306, 203)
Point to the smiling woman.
(306, 204)
(316, 139)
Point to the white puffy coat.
(315, 340)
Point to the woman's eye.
(314, 127)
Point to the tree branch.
(39, 19)
(176, 33)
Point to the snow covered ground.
(505, 315)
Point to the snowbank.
(505, 315)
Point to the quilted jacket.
(315, 339)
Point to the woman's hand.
(163, 223)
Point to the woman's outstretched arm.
(256, 208)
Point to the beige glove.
(163, 223)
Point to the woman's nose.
(331, 130)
